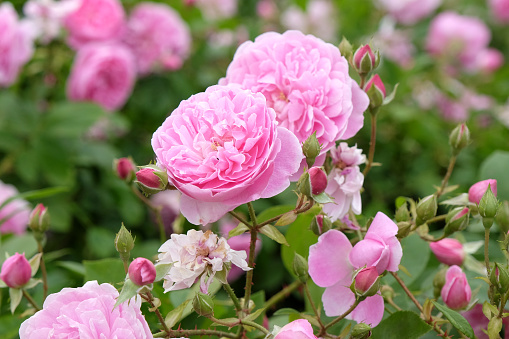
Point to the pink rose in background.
(489, 60)
(306, 81)
(15, 215)
(500, 10)
(456, 292)
(87, 312)
(479, 322)
(169, 201)
(448, 251)
(223, 148)
(102, 73)
(395, 44)
(297, 329)
(16, 44)
(213, 10)
(409, 12)
(158, 36)
(95, 21)
(477, 190)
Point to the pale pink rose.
(213, 10)
(194, 255)
(95, 21)
(102, 73)
(477, 190)
(306, 81)
(489, 60)
(87, 312)
(223, 148)
(500, 10)
(15, 215)
(16, 44)
(158, 36)
(297, 329)
(456, 292)
(409, 11)
(457, 37)
(448, 251)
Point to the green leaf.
(255, 314)
(162, 270)
(273, 233)
(401, 324)
(15, 294)
(323, 198)
(494, 327)
(73, 266)
(240, 229)
(104, 270)
(456, 319)
(495, 167)
(175, 315)
(286, 311)
(36, 194)
(129, 290)
(72, 119)
(22, 244)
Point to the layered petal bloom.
(306, 81)
(197, 254)
(448, 251)
(95, 21)
(477, 190)
(409, 12)
(16, 44)
(456, 292)
(15, 215)
(158, 36)
(297, 329)
(102, 73)
(223, 148)
(87, 312)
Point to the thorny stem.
(255, 325)
(233, 297)
(313, 306)
(372, 143)
(249, 274)
(150, 299)
(306, 208)
(282, 294)
(155, 209)
(486, 250)
(31, 300)
(44, 273)
(447, 176)
(189, 333)
(407, 291)
(338, 319)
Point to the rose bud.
(203, 304)
(16, 271)
(151, 179)
(361, 331)
(318, 180)
(478, 189)
(502, 216)
(311, 149)
(366, 282)
(142, 271)
(456, 292)
(364, 60)
(39, 219)
(448, 251)
(456, 220)
(459, 138)
(488, 205)
(426, 209)
(320, 224)
(376, 91)
(125, 169)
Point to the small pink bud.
(318, 180)
(125, 168)
(142, 271)
(364, 60)
(377, 82)
(477, 190)
(448, 251)
(39, 219)
(16, 271)
(456, 292)
(365, 280)
(152, 179)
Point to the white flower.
(345, 156)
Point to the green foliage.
(401, 324)
(456, 319)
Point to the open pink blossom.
(158, 36)
(102, 73)
(87, 312)
(16, 44)
(197, 254)
(95, 21)
(223, 148)
(456, 292)
(500, 10)
(409, 12)
(15, 215)
(477, 190)
(306, 81)
(297, 329)
(448, 251)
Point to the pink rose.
(500, 10)
(306, 81)
(456, 292)
(223, 148)
(477, 190)
(87, 312)
(15, 215)
(16, 44)
(102, 73)
(395, 44)
(448, 251)
(409, 12)
(16, 271)
(300, 328)
(158, 36)
(95, 21)
(479, 322)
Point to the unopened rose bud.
(320, 224)
(318, 180)
(376, 91)
(502, 216)
(203, 304)
(387, 292)
(503, 278)
(39, 219)
(366, 282)
(124, 243)
(361, 331)
(477, 190)
(456, 220)
(345, 48)
(311, 149)
(304, 184)
(448, 251)
(142, 271)
(16, 271)
(426, 209)
(402, 213)
(125, 169)
(151, 179)
(404, 228)
(459, 138)
(300, 267)
(364, 60)
(488, 207)
(456, 292)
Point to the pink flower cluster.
(14, 216)
(333, 261)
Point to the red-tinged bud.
(364, 60)
(125, 169)
(320, 224)
(142, 271)
(459, 138)
(151, 179)
(376, 91)
(448, 251)
(367, 282)
(477, 190)
(39, 219)
(456, 220)
(16, 271)
(318, 180)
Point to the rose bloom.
(197, 254)
(16, 213)
(500, 10)
(104, 74)
(297, 329)
(306, 81)
(479, 322)
(86, 312)
(223, 148)
(95, 21)
(16, 44)
(409, 12)
(158, 36)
